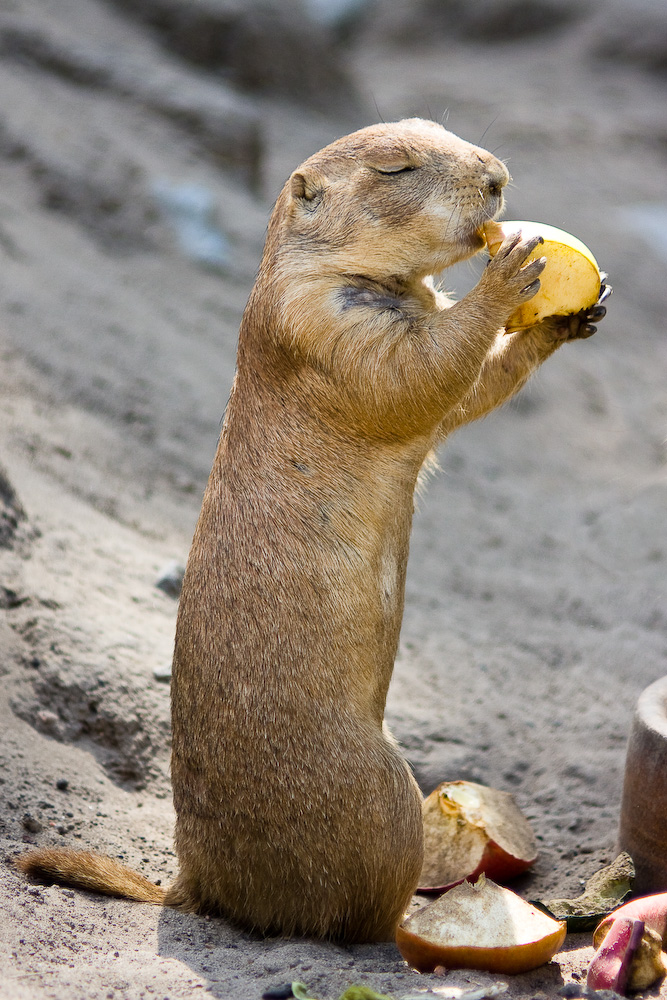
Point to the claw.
(508, 245)
(578, 326)
(605, 292)
(531, 289)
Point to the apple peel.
(479, 926)
(470, 829)
(643, 962)
(571, 279)
(610, 969)
(651, 909)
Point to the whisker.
(492, 122)
(377, 109)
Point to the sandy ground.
(536, 606)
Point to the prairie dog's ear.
(307, 186)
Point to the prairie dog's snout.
(496, 177)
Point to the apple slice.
(631, 961)
(570, 281)
(651, 909)
(470, 829)
(610, 969)
(480, 926)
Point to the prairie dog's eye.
(399, 168)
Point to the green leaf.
(301, 992)
(605, 890)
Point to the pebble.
(162, 673)
(278, 992)
(49, 723)
(31, 824)
(170, 579)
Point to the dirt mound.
(79, 704)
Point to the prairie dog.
(296, 813)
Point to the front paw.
(581, 325)
(511, 278)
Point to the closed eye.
(404, 169)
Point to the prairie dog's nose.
(497, 176)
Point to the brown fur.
(296, 813)
(95, 872)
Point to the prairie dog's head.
(403, 199)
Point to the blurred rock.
(225, 124)
(49, 723)
(486, 20)
(633, 33)
(11, 512)
(10, 599)
(344, 17)
(190, 210)
(271, 47)
(506, 20)
(112, 206)
(170, 579)
(162, 674)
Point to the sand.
(536, 606)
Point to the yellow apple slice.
(570, 281)
(480, 926)
(470, 829)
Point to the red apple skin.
(610, 967)
(651, 909)
(425, 956)
(495, 863)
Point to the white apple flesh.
(470, 829)
(480, 926)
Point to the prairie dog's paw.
(507, 278)
(581, 325)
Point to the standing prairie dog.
(295, 812)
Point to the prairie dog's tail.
(94, 872)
